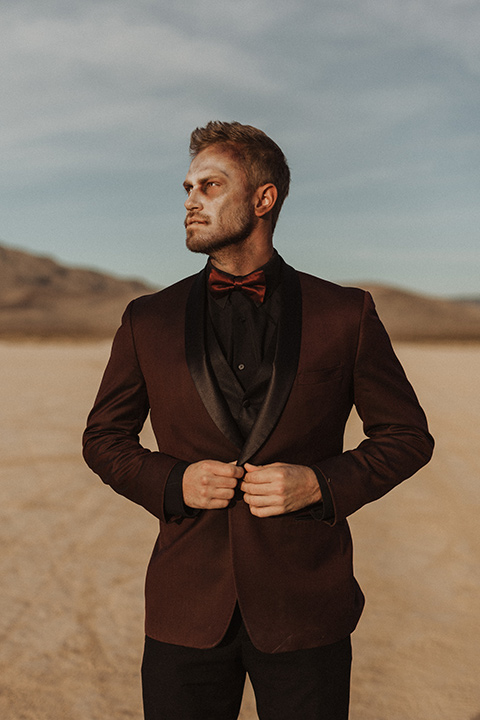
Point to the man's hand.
(210, 484)
(279, 488)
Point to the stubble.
(229, 232)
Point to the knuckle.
(280, 487)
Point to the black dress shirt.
(241, 340)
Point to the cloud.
(98, 65)
(105, 72)
(375, 103)
(450, 25)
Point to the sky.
(375, 103)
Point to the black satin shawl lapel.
(199, 366)
(285, 364)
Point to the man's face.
(219, 205)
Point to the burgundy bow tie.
(252, 285)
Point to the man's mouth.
(195, 221)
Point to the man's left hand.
(279, 488)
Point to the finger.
(222, 494)
(252, 488)
(272, 470)
(254, 473)
(224, 471)
(262, 476)
(268, 511)
(217, 467)
(230, 470)
(250, 466)
(262, 500)
(223, 482)
(234, 463)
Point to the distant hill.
(422, 318)
(469, 298)
(41, 298)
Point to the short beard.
(244, 224)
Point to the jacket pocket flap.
(312, 377)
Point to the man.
(249, 371)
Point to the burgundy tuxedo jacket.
(291, 574)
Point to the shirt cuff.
(173, 503)
(325, 509)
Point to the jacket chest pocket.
(320, 375)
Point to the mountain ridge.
(45, 299)
(42, 298)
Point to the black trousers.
(182, 683)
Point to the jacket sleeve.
(111, 445)
(397, 440)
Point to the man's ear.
(265, 198)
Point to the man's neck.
(242, 260)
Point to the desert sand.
(74, 554)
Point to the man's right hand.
(210, 484)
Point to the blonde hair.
(262, 159)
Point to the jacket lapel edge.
(285, 364)
(198, 365)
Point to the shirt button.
(246, 404)
(241, 366)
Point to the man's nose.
(193, 200)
